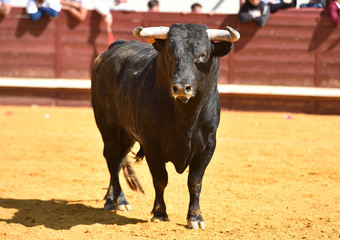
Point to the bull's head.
(187, 53)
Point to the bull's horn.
(151, 32)
(229, 35)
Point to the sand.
(273, 176)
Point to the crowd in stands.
(257, 11)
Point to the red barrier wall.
(295, 48)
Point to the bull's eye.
(201, 58)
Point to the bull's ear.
(221, 49)
(159, 44)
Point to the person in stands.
(77, 8)
(196, 8)
(5, 7)
(37, 8)
(275, 5)
(254, 10)
(123, 5)
(332, 10)
(153, 6)
(104, 8)
(313, 4)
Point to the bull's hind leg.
(116, 147)
(122, 204)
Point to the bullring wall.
(296, 48)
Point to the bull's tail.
(140, 154)
(130, 176)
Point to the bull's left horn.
(229, 35)
(151, 32)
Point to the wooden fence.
(297, 48)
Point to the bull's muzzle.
(182, 92)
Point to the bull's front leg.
(196, 172)
(195, 219)
(159, 208)
(160, 181)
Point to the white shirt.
(83, 3)
(124, 6)
(338, 4)
(103, 7)
(33, 8)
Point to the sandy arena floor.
(273, 176)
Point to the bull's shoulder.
(121, 50)
(133, 55)
(116, 43)
(133, 48)
(132, 45)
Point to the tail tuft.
(130, 176)
(139, 155)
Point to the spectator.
(333, 11)
(77, 8)
(123, 5)
(196, 8)
(36, 8)
(103, 8)
(275, 5)
(314, 4)
(5, 7)
(254, 10)
(153, 6)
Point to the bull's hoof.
(108, 205)
(160, 219)
(196, 224)
(125, 206)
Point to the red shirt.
(333, 11)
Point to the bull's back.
(122, 56)
(117, 76)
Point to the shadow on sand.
(60, 214)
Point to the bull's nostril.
(174, 89)
(188, 89)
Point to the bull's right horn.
(151, 32)
(229, 35)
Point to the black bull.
(165, 97)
